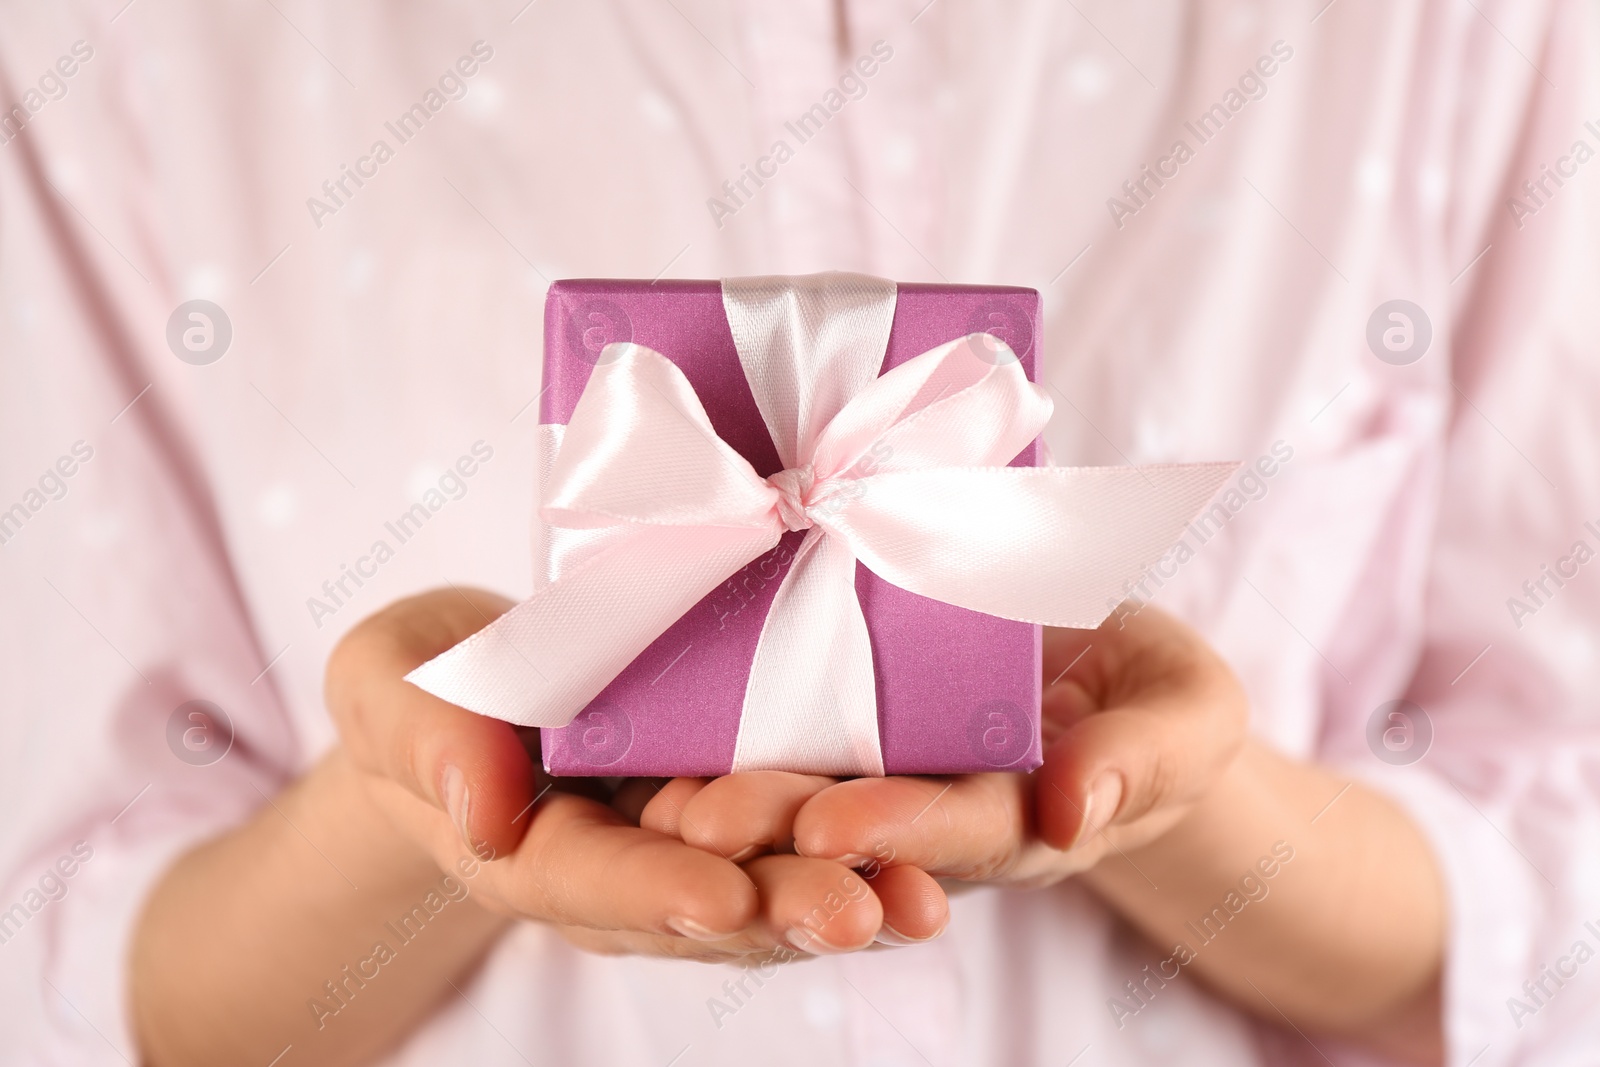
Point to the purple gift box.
(958, 691)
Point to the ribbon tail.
(1048, 545)
(543, 661)
(810, 703)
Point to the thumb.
(1145, 758)
(474, 769)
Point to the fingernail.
(695, 931)
(808, 942)
(1099, 806)
(888, 935)
(853, 860)
(453, 791)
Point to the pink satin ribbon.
(905, 472)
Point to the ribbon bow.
(905, 472)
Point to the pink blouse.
(1348, 243)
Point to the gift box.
(798, 523)
(957, 690)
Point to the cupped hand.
(468, 791)
(749, 818)
(1140, 718)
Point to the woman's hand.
(463, 786)
(422, 801)
(1140, 718)
(1147, 781)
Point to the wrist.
(1278, 854)
(311, 882)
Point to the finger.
(1174, 719)
(583, 864)
(1115, 768)
(969, 827)
(816, 906)
(1069, 686)
(1064, 652)
(664, 811)
(1109, 664)
(475, 769)
(634, 795)
(632, 943)
(748, 814)
(915, 908)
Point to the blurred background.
(269, 269)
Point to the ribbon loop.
(640, 449)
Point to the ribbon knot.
(793, 486)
